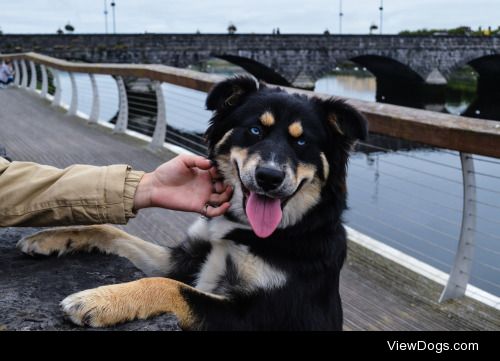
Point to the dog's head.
(283, 154)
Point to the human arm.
(39, 195)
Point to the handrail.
(468, 135)
(464, 134)
(182, 77)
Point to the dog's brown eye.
(255, 131)
(301, 142)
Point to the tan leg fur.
(109, 305)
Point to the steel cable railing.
(437, 187)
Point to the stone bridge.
(281, 59)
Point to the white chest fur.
(253, 271)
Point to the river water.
(409, 198)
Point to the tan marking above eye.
(267, 119)
(295, 129)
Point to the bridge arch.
(488, 68)
(257, 69)
(388, 69)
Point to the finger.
(214, 173)
(217, 211)
(192, 161)
(216, 199)
(220, 187)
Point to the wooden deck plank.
(376, 295)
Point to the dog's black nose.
(269, 178)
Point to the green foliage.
(464, 79)
(120, 46)
(460, 31)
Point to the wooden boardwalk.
(377, 295)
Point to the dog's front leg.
(109, 305)
(150, 258)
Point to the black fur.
(310, 252)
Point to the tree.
(69, 28)
(231, 29)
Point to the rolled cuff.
(131, 182)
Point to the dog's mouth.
(264, 212)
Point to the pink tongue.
(263, 213)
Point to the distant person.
(6, 73)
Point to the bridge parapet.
(291, 56)
(473, 139)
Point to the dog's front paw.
(45, 243)
(99, 307)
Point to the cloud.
(292, 16)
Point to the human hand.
(185, 183)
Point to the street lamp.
(381, 8)
(106, 16)
(114, 22)
(340, 16)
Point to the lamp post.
(114, 20)
(106, 16)
(340, 16)
(381, 8)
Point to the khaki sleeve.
(40, 195)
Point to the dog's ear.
(343, 118)
(230, 93)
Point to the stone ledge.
(31, 288)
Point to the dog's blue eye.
(255, 130)
(301, 142)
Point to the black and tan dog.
(273, 261)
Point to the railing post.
(33, 79)
(460, 273)
(122, 121)
(94, 112)
(56, 101)
(161, 120)
(74, 95)
(45, 81)
(17, 75)
(24, 75)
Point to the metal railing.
(170, 108)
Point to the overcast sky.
(259, 16)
